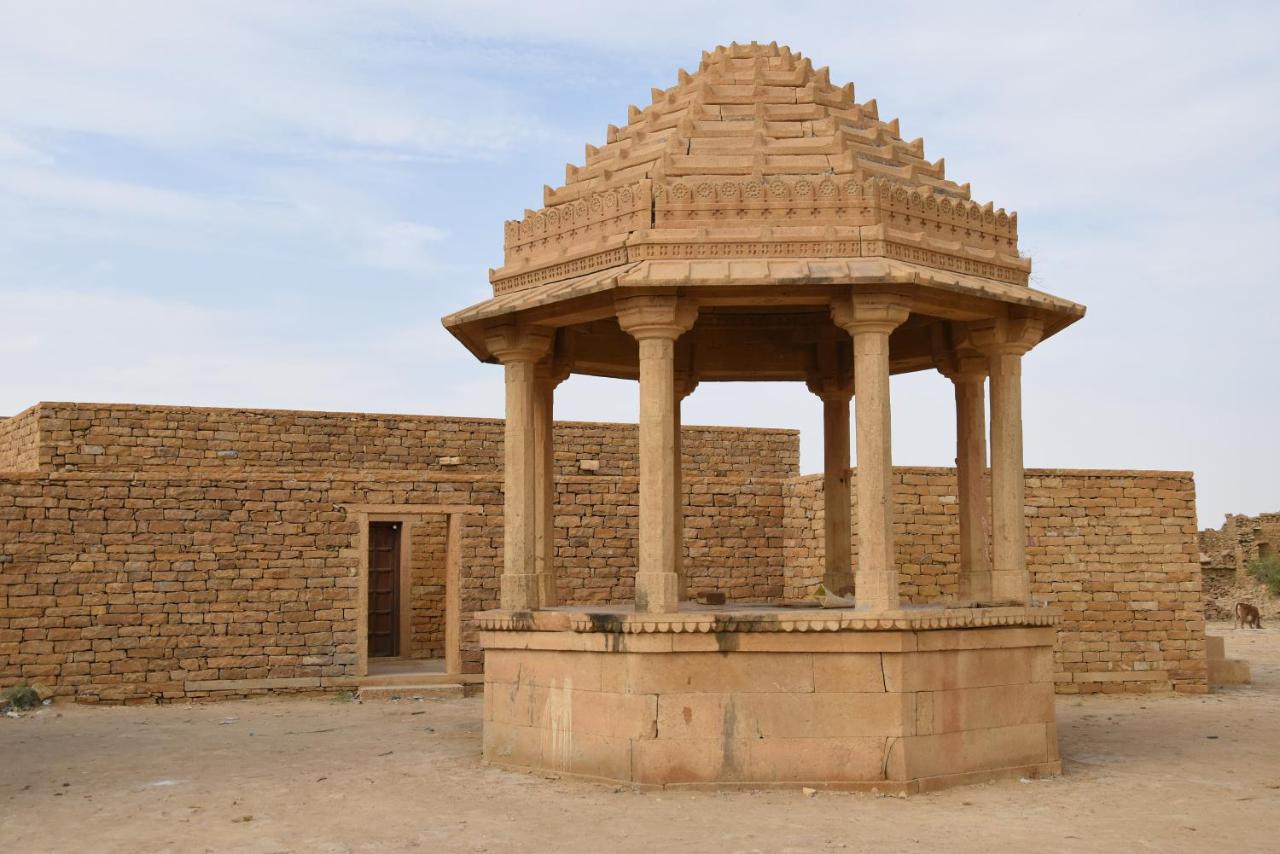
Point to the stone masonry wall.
(19, 442)
(425, 609)
(128, 587)
(111, 437)
(162, 548)
(733, 536)
(1115, 550)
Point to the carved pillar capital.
(663, 316)
(829, 374)
(1006, 336)
(829, 387)
(551, 372)
(684, 382)
(513, 342)
(965, 367)
(860, 313)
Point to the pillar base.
(517, 589)
(657, 592)
(905, 701)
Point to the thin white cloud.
(262, 77)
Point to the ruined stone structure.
(1225, 555)
(170, 553)
(1240, 540)
(757, 222)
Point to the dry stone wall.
(1115, 550)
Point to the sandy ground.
(1159, 774)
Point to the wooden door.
(384, 589)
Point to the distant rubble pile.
(1222, 591)
(1225, 555)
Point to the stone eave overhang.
(709, 277)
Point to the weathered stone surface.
(761, 717)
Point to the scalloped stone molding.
(614, 621)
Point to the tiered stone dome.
(757, 154)
(764, 194)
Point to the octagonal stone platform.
(906, 701)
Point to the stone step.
(1228, 671)
(411, 679)
(412, 692)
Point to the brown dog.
(1247, 615)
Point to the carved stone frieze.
(770, 620)
(757, 136)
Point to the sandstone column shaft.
(870, 320)
(1009, 578)
(519, 589)
(682, 386)
(656, 323)
(837, 573)
(677, 496)
(971, 464)
(519, 350)
(657, 585)
(545, 488)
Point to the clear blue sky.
(272, 203)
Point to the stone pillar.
(656, 322)
(835, 393)
(683, 384)
(519, 349)
(969, 378)
(1004, 343)
(547, 375)
(870, 320)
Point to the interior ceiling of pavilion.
(756, 169)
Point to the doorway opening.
(408, 620)
(384, 590)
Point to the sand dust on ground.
(1165, 774)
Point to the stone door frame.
(409, 515)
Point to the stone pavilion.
(757, 222)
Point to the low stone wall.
(108, 437)
(1115, 550)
